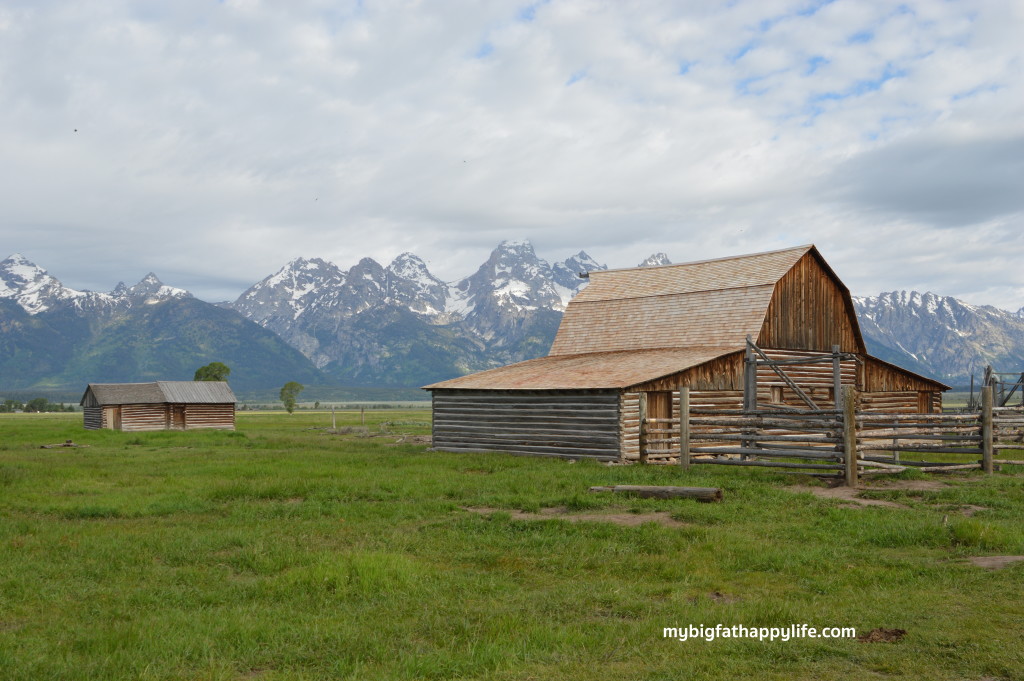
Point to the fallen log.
(705, 494)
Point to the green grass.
(281, 551)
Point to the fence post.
(837, 378)
(986, 429)
(684, 426)
(850, 434)
(643, 427)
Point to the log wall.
(92, 418)
(576, 424)
(137, 417)
(219, 416)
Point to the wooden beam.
(986, 429)
(850, 435)
(705, 494)
(684, 426)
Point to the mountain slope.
(940, 335)
(52, 336)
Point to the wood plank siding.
(137, 417)
(810, 311)
(559, 423)
(92, 418)
(219, 416)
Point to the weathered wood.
(705, 494)
(643, 428)
(684, 426)
(850, 435)
(767, 464)
(986, 429)
(770, 453)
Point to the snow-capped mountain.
(35, 290)
(655, 260)
(54, 336)
(940, 335)
(397, 325)
(346, 322)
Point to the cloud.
(211, 142)
(943, 180)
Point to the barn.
(161, 405)
(776, 329)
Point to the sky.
(212, 142)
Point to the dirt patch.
(850, 494)
(970, 509)
(995, 562)
(883, 635)
(625, 519)
(716, 597)
(920, 485)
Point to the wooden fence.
(817, 442)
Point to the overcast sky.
(211, 142)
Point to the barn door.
(659, 413)
(112, 417)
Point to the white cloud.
(216, 141)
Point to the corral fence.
(844, 443)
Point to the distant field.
(284, 551)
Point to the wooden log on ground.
(705, 494)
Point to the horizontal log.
(600, 456)
(766, 464)
(923, 450)
(767, 437)
(921, 417)
(780, 453)
(704, 494)
(539, 449)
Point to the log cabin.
(161, 405)
(767, 330)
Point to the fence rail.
(846, 442)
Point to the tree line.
(37, 404)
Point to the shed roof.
(177, 392)
(595, 370)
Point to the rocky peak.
(655, 260)
(411, 284)
(35, 290)
(151, 290)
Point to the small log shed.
(642, 333)
(162, 405)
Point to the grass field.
(282, 551)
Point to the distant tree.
(316, 405)
(289, 392)
(214, 371)
(10, 406)
(38, 404)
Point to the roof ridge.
(805, 247)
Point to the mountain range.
(393, 325)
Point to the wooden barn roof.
(711, 303)
(596, 370)
(158, 392)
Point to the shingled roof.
(158, 392)
(595, 370)
(711, 303)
